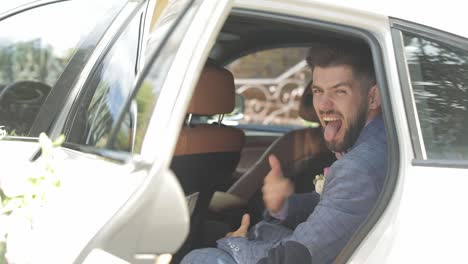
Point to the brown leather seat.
(207, 154)
(302, 153)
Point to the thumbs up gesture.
(276, 188)
(244, 227)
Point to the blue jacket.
(322, 225)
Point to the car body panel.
(430, 222)
(80, 195)
(22, 149)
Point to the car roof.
(12, 4)
(447, 15)
(15, 5)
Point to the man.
(313, 228)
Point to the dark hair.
(335, 53)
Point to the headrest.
(215, 92)
(306, 107)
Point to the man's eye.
(315, 91)
(340, 91)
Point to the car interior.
(302, 151)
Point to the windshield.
(36, 45)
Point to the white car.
(116, 79)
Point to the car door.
(119, 30)
(433, 68)
(119, 141)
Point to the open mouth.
(332, 127)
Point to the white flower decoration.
(319, 182)
(3, 132)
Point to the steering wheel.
(19, 104)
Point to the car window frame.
(109, 152)
(55, 103)
(153, 54)
(91, 81)
(393, 150)
(398, 27)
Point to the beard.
(352, 132)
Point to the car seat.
(207, 154)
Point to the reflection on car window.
(112, 85)
(108, 89)
(35, 47)
(150, 88)
(439, 76)
(272, 83)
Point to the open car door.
(153, 218)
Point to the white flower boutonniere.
(319, 181)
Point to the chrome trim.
(189, 119)
(134, 120)
(440, 163)
(412, 116)
(430, 32)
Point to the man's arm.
(350, 194)
(298, 208)
(290, 252)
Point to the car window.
(163, 52)
(103, 118)
(439, 78)
(271, 83)
(106, 92)
(35, 47)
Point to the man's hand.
(244, 227)
(276, 188)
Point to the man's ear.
(374, 98)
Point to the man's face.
(341, 105)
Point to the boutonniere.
(320, 180)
